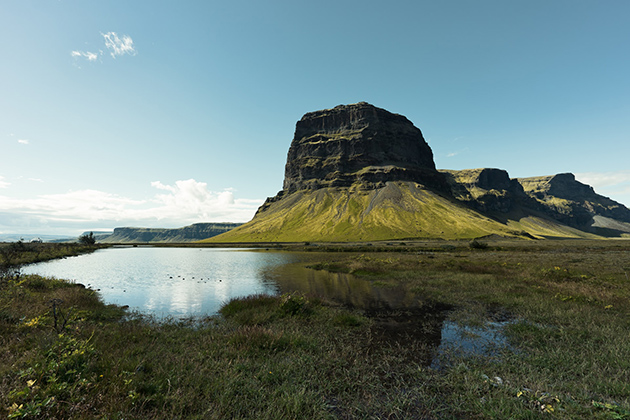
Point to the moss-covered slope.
(400, 210)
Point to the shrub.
(87, 239)
(475, 244)
(293, 304)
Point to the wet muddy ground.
(401, 318)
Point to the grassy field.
(15, 254)
(64, 354)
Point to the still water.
(177, 282)
(184, 282)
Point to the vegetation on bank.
(16, 254)
(65, 354)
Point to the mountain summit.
(361, 173)
(357, 143)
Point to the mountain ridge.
(190, 233)
(360, 173)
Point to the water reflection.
(345, 289)
(177, 282)
(400, 317)
(457, 340)
(183, 282)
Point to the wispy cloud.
(604, 179)
(457, 152)
(615, 184)
(23, 141)
(3, 183)
(89, 56)
(116, 45)
(119, 45)
(181, 204)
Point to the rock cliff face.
(195, 232)
(357, 143)
(487, 189)
(560, 197)
(565, 199)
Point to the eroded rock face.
(357, 143)
(571, 202)
(486, 189)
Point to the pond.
(176, 282)
(185, 282)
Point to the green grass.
(300, 360)
(399, 211)
(19, 253)
(298, 356)
(571, 306)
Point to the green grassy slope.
(401, 210)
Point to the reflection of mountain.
(344, 289)
(399, 316)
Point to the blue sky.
(165, 113)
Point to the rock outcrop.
(357, 143)
(487, 189)
(575, 204)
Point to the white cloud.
(457, 152)
(604, 179)
(89, 56)
(3, 184)
(614, 184)
(195, 201)
(119, 46)
(176, 205)
(23, 141)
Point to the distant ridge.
(361, 173)
(195, 232)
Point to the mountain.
(190, 233)
(361, 173)
(578, 205)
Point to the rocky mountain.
(195, 232)
(353, 144)
(360, 173)
(575, 204)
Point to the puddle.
(458, 340)
(400, 317)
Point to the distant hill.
(360, 173)
(14, 237)
(195, 232)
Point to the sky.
(154, 113)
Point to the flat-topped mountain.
(360, 173)
(357, 143)
(194, 232)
